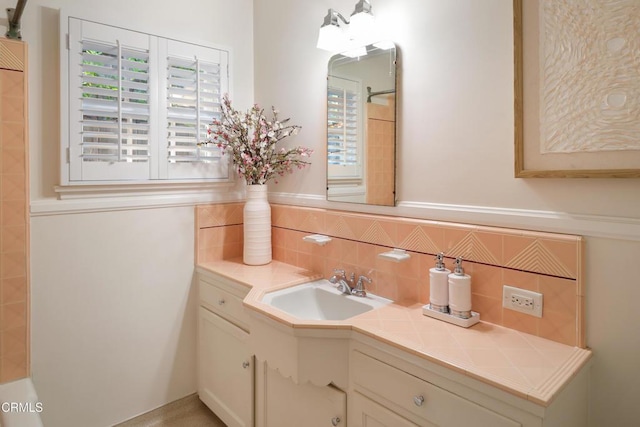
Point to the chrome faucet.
(343, 284)
(358, 290)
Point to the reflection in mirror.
(361, 128)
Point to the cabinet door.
(367, 413)
(287, 404)
(225, 370)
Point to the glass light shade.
(330, 37)
(355, 52)
(361, 26)
(384, 45)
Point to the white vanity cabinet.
(390, 388)
(225, 363)
(421, 402)
(282, 403)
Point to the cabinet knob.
(246, 364)
(221, 301)
(418, 400)
(335, 421)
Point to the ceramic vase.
(257, 226)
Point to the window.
(344, 128)
(138, 105)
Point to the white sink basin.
(320, 300)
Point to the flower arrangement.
(250, 139)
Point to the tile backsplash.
(544, 262)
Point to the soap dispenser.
(460, 292)
(438, 286)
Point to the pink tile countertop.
(524, 365)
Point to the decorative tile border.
(544, 262)
(545, 253)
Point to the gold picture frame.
(529, 162)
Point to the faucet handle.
(358, 290)
(338, 273)
(361, 278)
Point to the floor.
(186, 412)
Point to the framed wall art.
(577, 88)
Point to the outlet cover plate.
(522, 300)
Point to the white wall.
(455, 140)
(113, 310)
(113, 314)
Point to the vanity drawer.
(224, 299)
(413, 397)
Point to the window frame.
(153, 181)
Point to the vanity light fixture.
(361, 21)
(339, 34)
(333, 31)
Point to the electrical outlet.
(522, 300)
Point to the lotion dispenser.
(438, 286)
(460, 292)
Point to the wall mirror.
(361, 125)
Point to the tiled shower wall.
(14, 231)
(543, 262)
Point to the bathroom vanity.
(390, 366)
(225, 362)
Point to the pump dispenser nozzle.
(440, 262)
(458, 270)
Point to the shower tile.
(12, 109)
(13, 265)
(14, 341)
(13, 239)
(13, 160)
(13, 367)
(12, 213)
(14, 315)
(13, 187)
(12, 134)
(12, 86)
(14, 290)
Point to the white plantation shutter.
(111, 120)
(344, 128)
(196, 78)
(139, 105)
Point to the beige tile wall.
(543, 262)
(14, 231)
